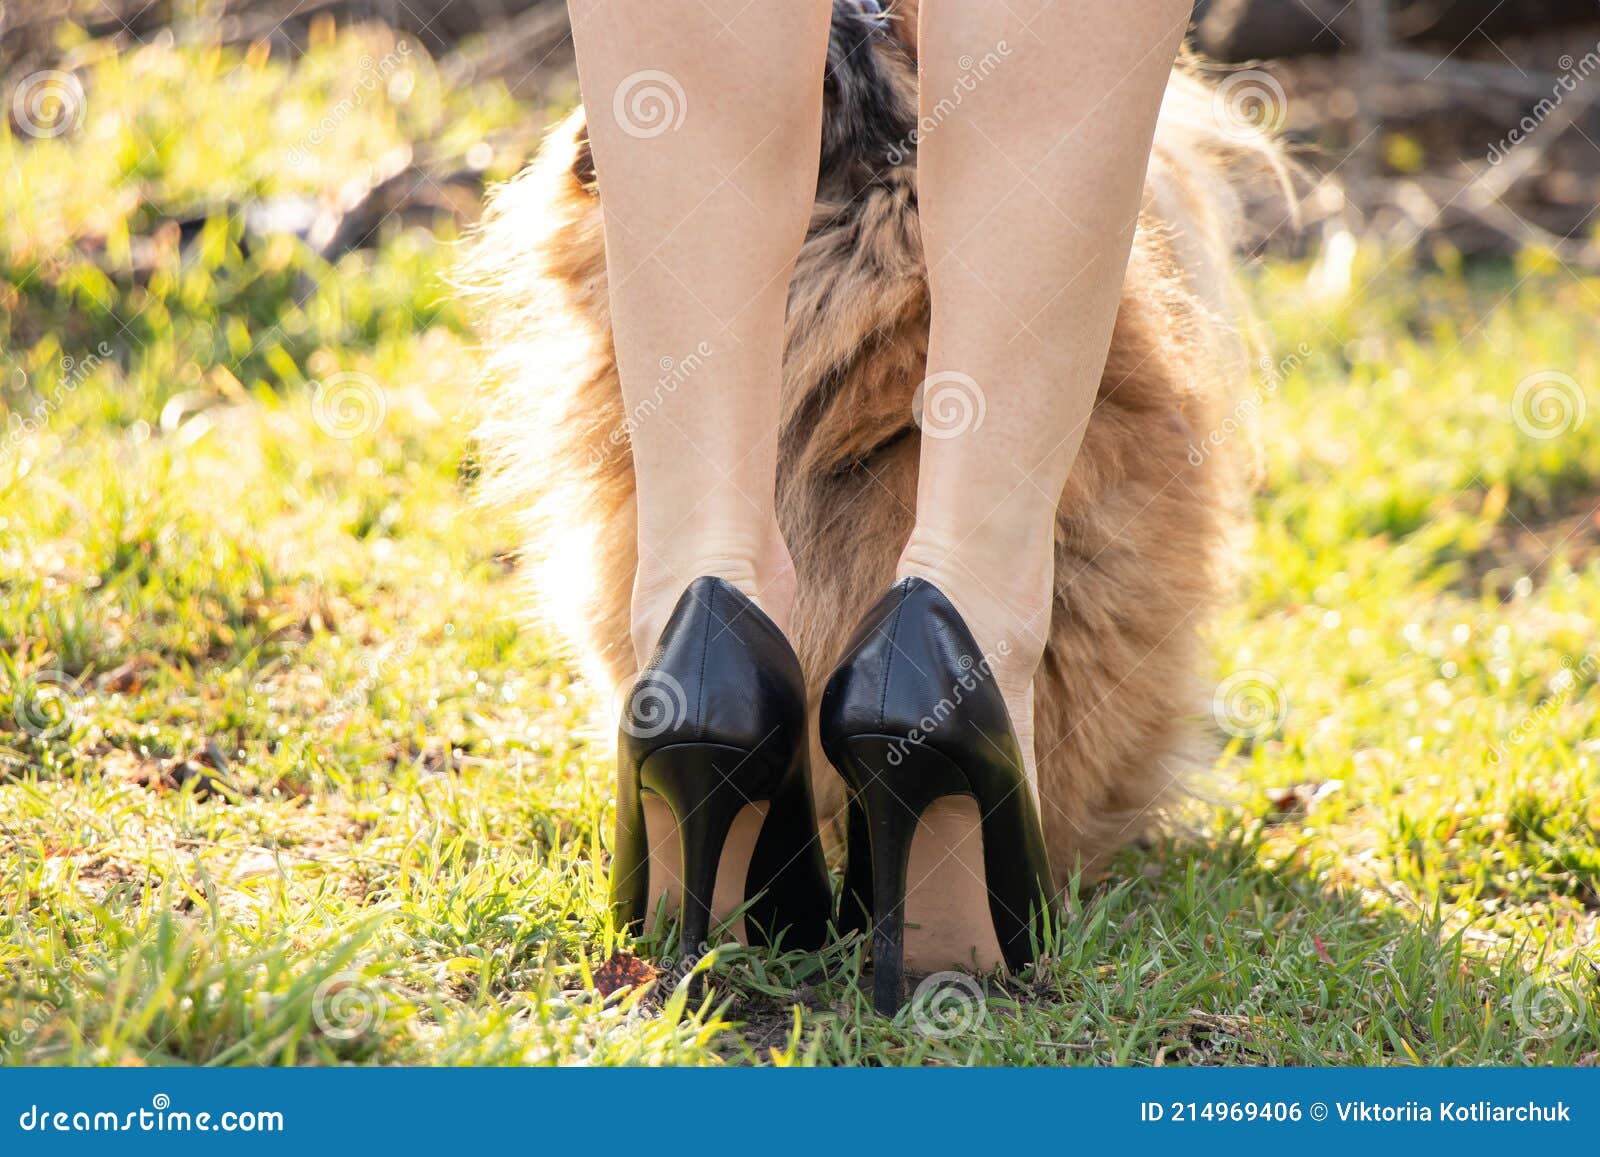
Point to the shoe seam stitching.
(705, 650)
(888, 659)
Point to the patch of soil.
(1519, 549)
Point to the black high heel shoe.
(714, 804)
(939, 797)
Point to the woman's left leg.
(1041, 116)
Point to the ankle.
(1006, 606)
(762, 571)
(1005, 595)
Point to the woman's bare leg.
(705, 120)
(1037, 122)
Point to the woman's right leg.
(705, 121)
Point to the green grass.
(282, 779)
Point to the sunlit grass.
(282, 779)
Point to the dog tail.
(1208, 157)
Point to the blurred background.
(1407, 102)
(284, 778)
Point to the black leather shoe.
(942, 825)
(714, 804)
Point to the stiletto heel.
(714, 806)
(855, 897)
(705, 787)
(939, 796)
(892, 792)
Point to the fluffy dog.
(1142, 538)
